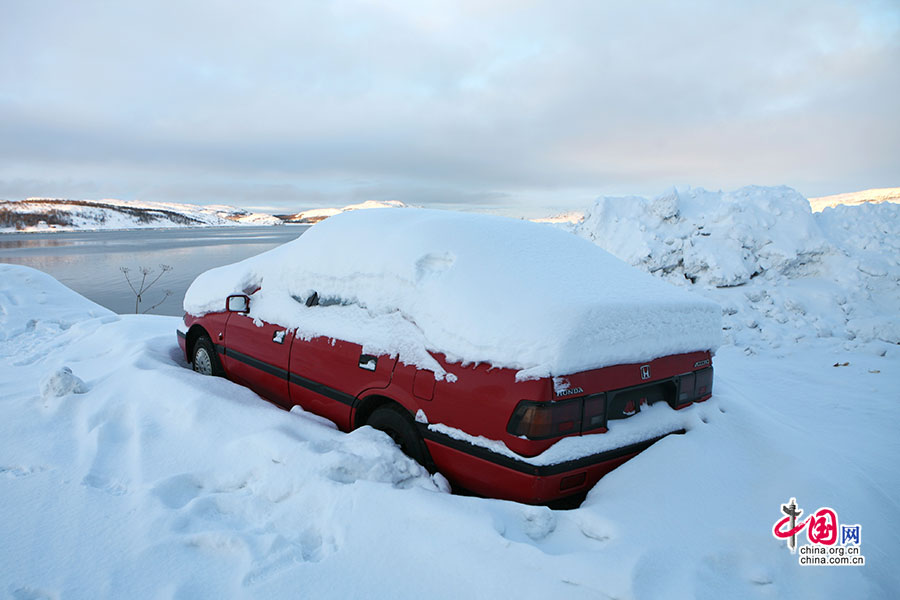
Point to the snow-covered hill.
(47, 214)
(875, 196)
(314, 215)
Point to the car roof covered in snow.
(476, 288)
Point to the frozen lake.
(89, 261)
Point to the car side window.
(315, 300)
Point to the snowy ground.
(132, 476)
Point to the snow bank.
(780, 272)
(476, 288)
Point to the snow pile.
(48, 214)
(779, 271)
(476, 288)
(164, 483)
(62, 383)
(713, 238)
(875, 196)
(314, 215)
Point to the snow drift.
(779, 271)
(476, 288)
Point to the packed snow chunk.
(718, 238)
(476, 288)
(367, 454)
(538, 521)
(61, 383)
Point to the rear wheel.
(206, 359)
(395, 421)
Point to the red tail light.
(590, 414)
(541, 420)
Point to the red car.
(486, 428)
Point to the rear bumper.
(488, 473)
(182, 343)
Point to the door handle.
(368, 362)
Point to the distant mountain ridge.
(320, 214)
(62, 214)
(47, 214)
(873, 196)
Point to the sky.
(511, 106)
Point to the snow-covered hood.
(476, 288)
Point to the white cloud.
(473, 98)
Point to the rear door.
(327, 375)
(257, 356)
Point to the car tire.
(395, 421)
(205, 359)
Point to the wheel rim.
(202, 363)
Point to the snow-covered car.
(516, 359)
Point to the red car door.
(257, 356)
(327, 375)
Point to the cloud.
(473, 100)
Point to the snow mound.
(61, 383)
(476, 288)
(714, 238)
(779, 271)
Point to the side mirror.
(238, 303)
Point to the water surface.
(89, 261)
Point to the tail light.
(594, 413)
(694, 386)
(542, 420)
(590, 414)
(686, 393)
(703, 385)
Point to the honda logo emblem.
(645, 372)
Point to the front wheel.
(395, 421)
(206, 359)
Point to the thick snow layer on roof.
(476, 288)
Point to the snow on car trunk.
(476, 288)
